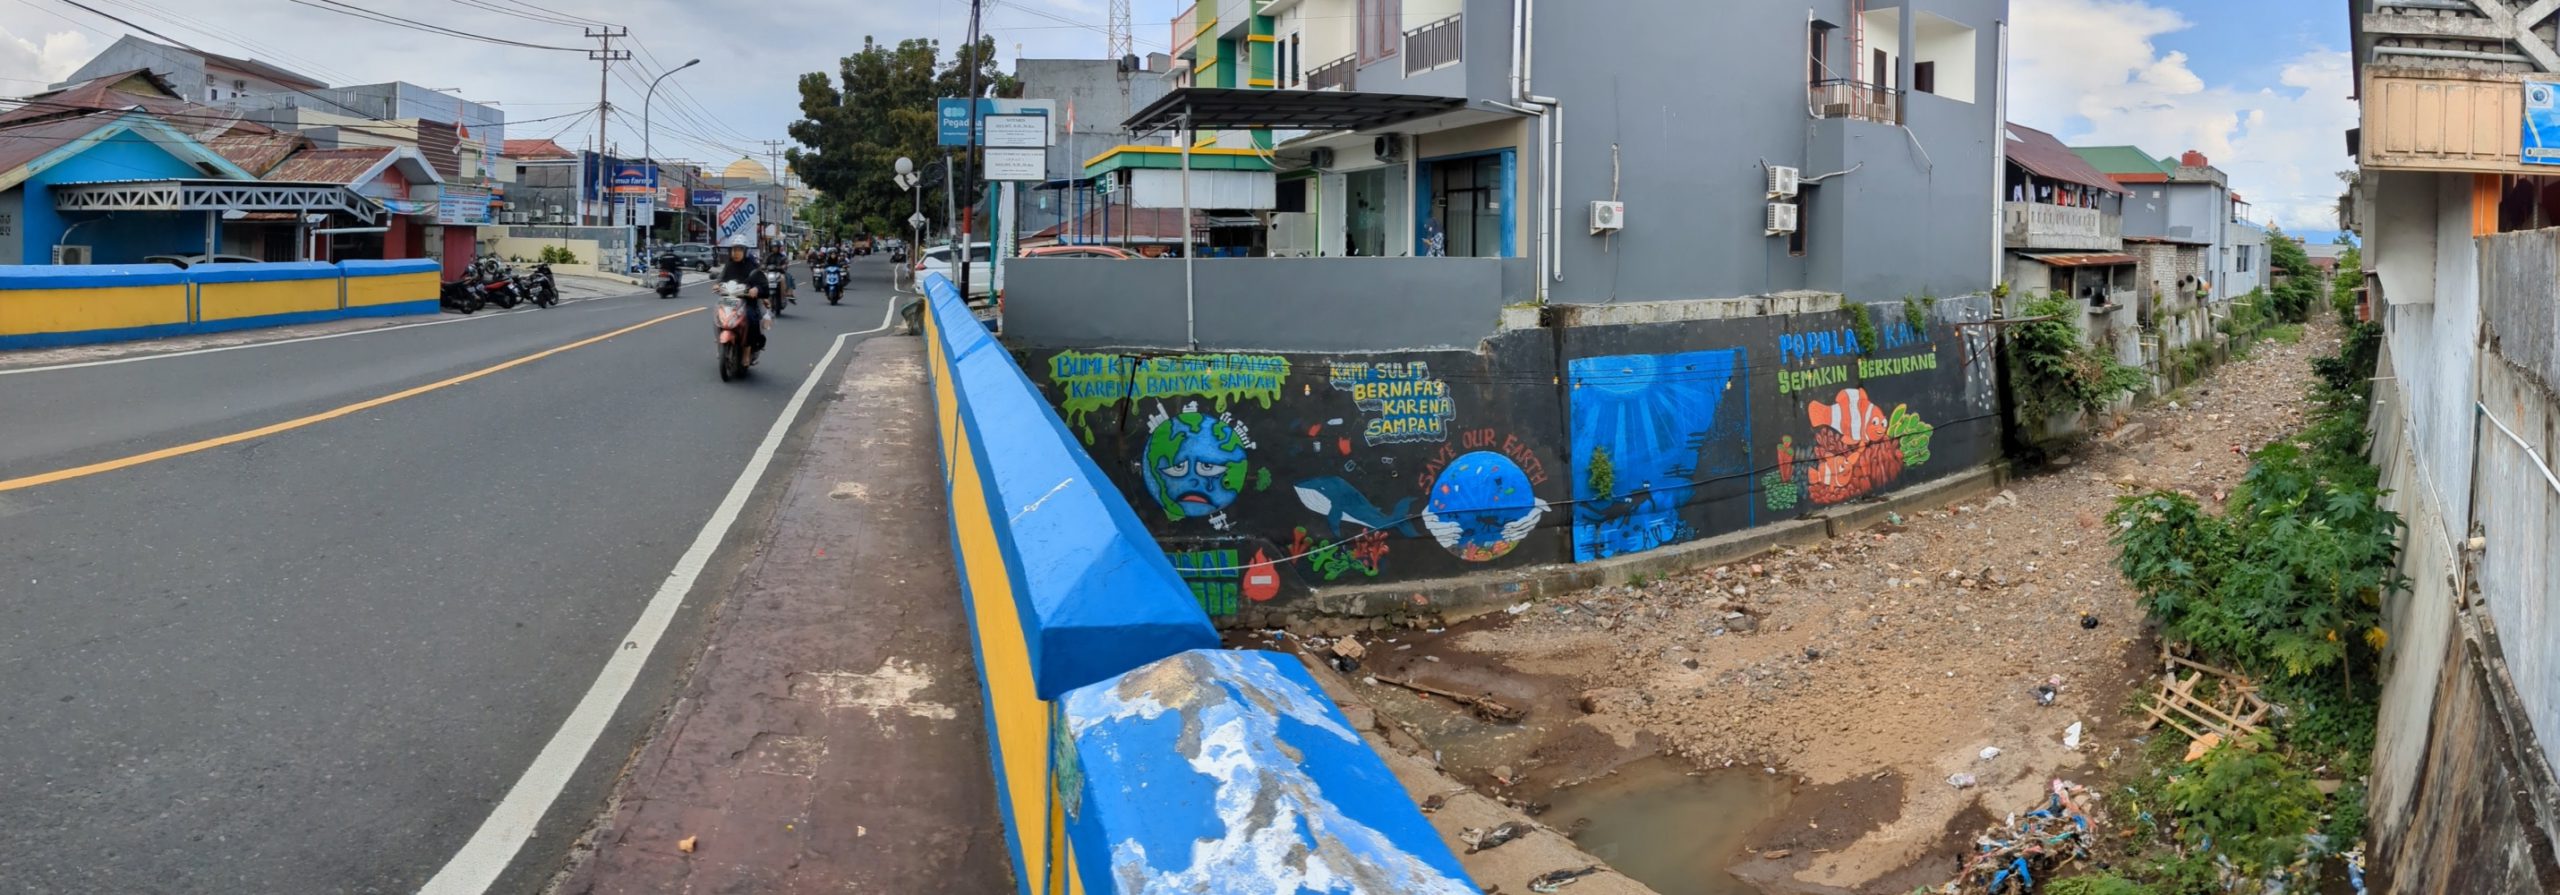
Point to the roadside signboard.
(632, 178)
(738, 219)
(1016, 131)
(708, 198)
(2541, 123)
(1017, 164)
(463, 207)
(951, 117)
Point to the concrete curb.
(1462, 597)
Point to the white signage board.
(1016, 131)
(1018, 164)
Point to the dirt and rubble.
(1914, 680)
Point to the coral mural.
(1858, 448)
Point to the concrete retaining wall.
(1066, 590)
(46, 306)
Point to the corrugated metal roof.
(2040, 153)
(338, 166)
(257, 153)
(2084, 259)
(534, 149)
(2124, 163)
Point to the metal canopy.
(212, 195)
(1228, 108)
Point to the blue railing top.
(1095, 595)
(365, 268)
(88, 276)
(279, 272)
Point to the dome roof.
(750, 169)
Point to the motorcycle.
(462, 296)
(495, 285)
(669, 280)
(832, 278)
(730, 318)
(537, 286)
(775, 296)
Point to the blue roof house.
(99, 148)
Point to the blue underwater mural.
(1647, 430)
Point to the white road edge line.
(298, 339)
(491, 848)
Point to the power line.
(353, 11)
(192, 49)
(530, 17)
(236, 39)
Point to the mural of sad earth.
(1201, 466)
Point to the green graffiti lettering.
(1793, 381)
(1088, 381)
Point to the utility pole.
(605, 56)
(781, 184)
(962, 252)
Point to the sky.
(2259, 86)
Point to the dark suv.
(692, 254)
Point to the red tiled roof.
(2040, 153)
(340, 166)
(534, 149)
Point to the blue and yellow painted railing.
(1068, 594)
(44, 306)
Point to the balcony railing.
(1845, 98)
(2035, 225)
(1434, 45)
(1335, 75)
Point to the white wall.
(1884, 32)
(1951, 46)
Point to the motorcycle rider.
(671, 265)
(742, 268)
(777, 260)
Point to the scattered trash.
(1811, 654)
(2202, 745)
(2089, 622)
(1557, 879)
(2048, 691)
(1517, 608)
(1439, 800)
(685, 844)
(1960, 781)
(2016, 854)
(2233, 711)
(2071, 737)
(1990, 752)
(1350, 648)
(1480, 840)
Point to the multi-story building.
(2453, 201)
(2188, 201)
(1850, 148)
(199, 77)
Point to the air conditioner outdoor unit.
(1783, 181)
(556, 211)
(1320, 157)
(70, 254)
(1607, 216)
(1388, 147)
(1782, 218)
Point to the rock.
(1361, 717)
(1779, 854)
(1690, 663)
(1744, 625)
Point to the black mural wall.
(1266, 475)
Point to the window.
(1297, 62)
(1292, 196)
(239, 87)
(2244, 259)
(1381, 29)
(1804, 220)
(1364, 231)
(1924, 77)
(1818, 52)
(1466, 207)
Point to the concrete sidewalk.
(829, 738)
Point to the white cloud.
(27, 64)
(2092, 72)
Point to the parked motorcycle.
(730, 317)
(538, 286)
(462, 296)
(831, 277)
(495, 285)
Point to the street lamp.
(647, 151)
(907, 180)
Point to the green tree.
(878, 106)
(2349, 278)
(1604, 474)
(2296, 284)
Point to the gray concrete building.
(1094, 96)
(207, 78)
(1725, 150)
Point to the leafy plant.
(1604, 474)
(2296, 281)
(2056, 371)
(558, 255)
(1863, 323)
(2101, 884)
(2342, 290)
(2245, 802)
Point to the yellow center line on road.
(60, 475)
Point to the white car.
(982, 274)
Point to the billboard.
(738, 219)
(634, 178)
(2541, 123)
(707, 198)
(951, 116)
(464, 207)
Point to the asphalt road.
(314, 659)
